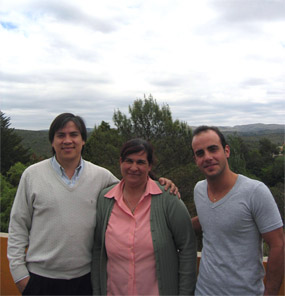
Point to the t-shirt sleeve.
(265, 210)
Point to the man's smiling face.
(68, 143)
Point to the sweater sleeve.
(180, 224)
(19, 229)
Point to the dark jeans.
(39, 285)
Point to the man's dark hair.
(61, 120)
(204, 128)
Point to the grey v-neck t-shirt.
(231, 260)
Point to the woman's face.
(135, 168)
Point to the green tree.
(267, 149)
(273, 173)
(238, 152)
(8, 193)
(103, 148)
(12, 150)
(254, 162)
(147, 120)
(15, 172)
(171, 139)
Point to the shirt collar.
(60, 170)
(117, 191)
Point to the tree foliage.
(8, 192)
(15, 172)
(238, 152)
(267, 149)
(170, 139)
(12, 150)
(103, 148)
(147, 121)
(172, 144)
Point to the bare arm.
(173, 189)
(196, 225)
(275, 264)
(21, 285)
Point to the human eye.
(213, 148)
(74, 134)
(59, 135)
(141, 162)
(128, 160)
(199, 153)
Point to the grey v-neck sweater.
(54, 221)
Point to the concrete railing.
(8, 287)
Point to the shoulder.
(163, 194)
(107, 189)
(246, 180)
(93, 168)
(166, 199)
(34, 168)
(250, 185)
(200, 185)
(105, 202)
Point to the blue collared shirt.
(61, 172)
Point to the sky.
(214, 62)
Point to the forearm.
(18, 241)
(274, 271)
(187, 271)
(196, 225)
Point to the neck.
(69, 166)
(134, 191)
(220, 186)
(132, 196)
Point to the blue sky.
(218, 62)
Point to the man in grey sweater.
(53, 216)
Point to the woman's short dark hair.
(138, 145)
(61, 120)
(204, 128)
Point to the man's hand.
(21, 285)
(169, 185)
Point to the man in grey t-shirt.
(234, 213)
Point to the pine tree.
(12, 150)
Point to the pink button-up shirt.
(128, 241)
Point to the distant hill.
(255, 128)
(38, 141)
(252, 133)
(252, 128)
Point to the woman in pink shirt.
(144, 240)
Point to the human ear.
(227, 151)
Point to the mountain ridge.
(38, 141)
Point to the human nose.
(208, 155)
(67, 140)
(134, 166)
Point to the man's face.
(209, 154)
(68, 143)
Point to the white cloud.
(215, 62)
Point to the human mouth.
(67, 148)
(209, 166)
